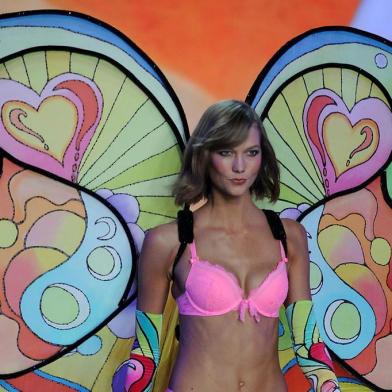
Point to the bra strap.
(185, 232)
(194, 256)
(277, 228)
(283, 256)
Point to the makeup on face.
(235, 169)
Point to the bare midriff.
(223, 354)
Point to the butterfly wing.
(325, 101)
(83, 107)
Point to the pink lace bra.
(211, 290)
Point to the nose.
(238, 164)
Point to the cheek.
(218, 165)
(256, 165)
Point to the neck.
(230, 212)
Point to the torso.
(221, 353)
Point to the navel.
(242, 384)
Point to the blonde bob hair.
(225, 124)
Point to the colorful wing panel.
(86, 113)
(325, 100)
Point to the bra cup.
(269, 297)
(212, 290)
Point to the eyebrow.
(232, 148)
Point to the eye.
(224, 153)
(253, 152)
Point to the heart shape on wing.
(50, 130)
(34, 127)
(348, 145)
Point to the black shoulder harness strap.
(185, 232)
(277, 228)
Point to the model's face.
(233, 170)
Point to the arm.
(153, 285)
(311, 352)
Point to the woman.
(233, 277)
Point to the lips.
(238, 181)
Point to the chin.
(236, 193)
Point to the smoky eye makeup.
(254, 152)
(223, 153)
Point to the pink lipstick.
(238, 181)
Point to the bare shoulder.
(294, 230)
(160, 245)
(162, 236)
(296, 237)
